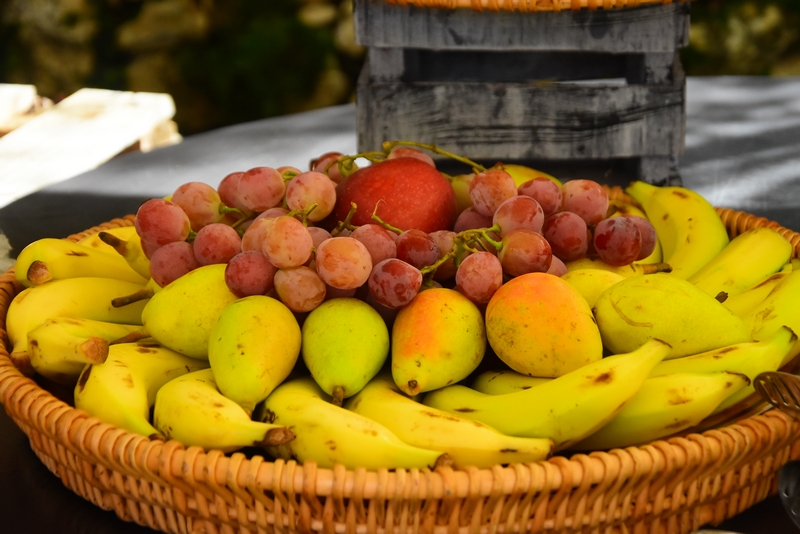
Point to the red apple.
(409, 193)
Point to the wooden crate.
(569, 86)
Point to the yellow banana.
(467, 442)
(748, 258)
(747, 300)
(688, 227)
(566, 409)
(780, 308)
(505, 381)
(625, 271)
(93, 240)
(328, 434)
(750, 359)
(86, 297)
(663, 406)
(54, 259)
(190, 409)
(131, 251)
(591, 282)
(122, 390)
(59, 348)
(618, 209)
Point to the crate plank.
(525, 121)
(655, 28)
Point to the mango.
(540, 325)
(438, 339)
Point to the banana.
(749, 359)
(93, 240)
(60, 347)
(54, 259)
(328, 434)
(190, 409)
(688, 227)
(505, 381)
(467, 442)
(566, 409)
(591, 282)
(663, 406)
(122, 390)
(781, 307)
(620, 208)
(625, 271)
(748, 258)
(747, 300)
(86, 297)
(131, 251)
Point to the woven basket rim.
(530, 6)
(658, 472)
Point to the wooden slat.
(76, 135)
(659, 28)
(525, 121)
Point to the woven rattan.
(526, 6)
(671, 486)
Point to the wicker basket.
(528, 5)
(672, 486)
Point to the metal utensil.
(789, 489)
(782, 390)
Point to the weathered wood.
(658, 170)
(659, 28)
(525, 121)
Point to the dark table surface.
(742, 152)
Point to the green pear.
(181, 315)
(252, 348)
(345, 344)
(438, 339)
(669, 308)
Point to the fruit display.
(373, 312)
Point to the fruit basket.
(673, 485)
(528, 5)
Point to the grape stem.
(303, 213)
(383, 223)
(465, 241)
(389, 145)
(345, 224)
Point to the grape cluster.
(273, 229)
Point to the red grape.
(200, 202)
(287, 242)
(587, 199)
(216, 243)
(445, 242)
(394, 283)
(545, 191)
(525, 252)
(249, 273)
(647, 233)
(261, 188)
(160, 221)
(300, 288)
(170, 262)
(470, 219)
(479, 276)
(253, 237)
(272, 213)
(489, 189)
(557, 267)
(617, 240)
(327, 165)
(228, 190)
(567, 234)
(401, 151)
(318, 235)
(310, 188)
(343, 262)
(417, 248)
(379, 242)
(519, 212)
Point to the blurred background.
(231, 61)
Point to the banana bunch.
(122, 390)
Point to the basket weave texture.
(526, 6)
(671, 486)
